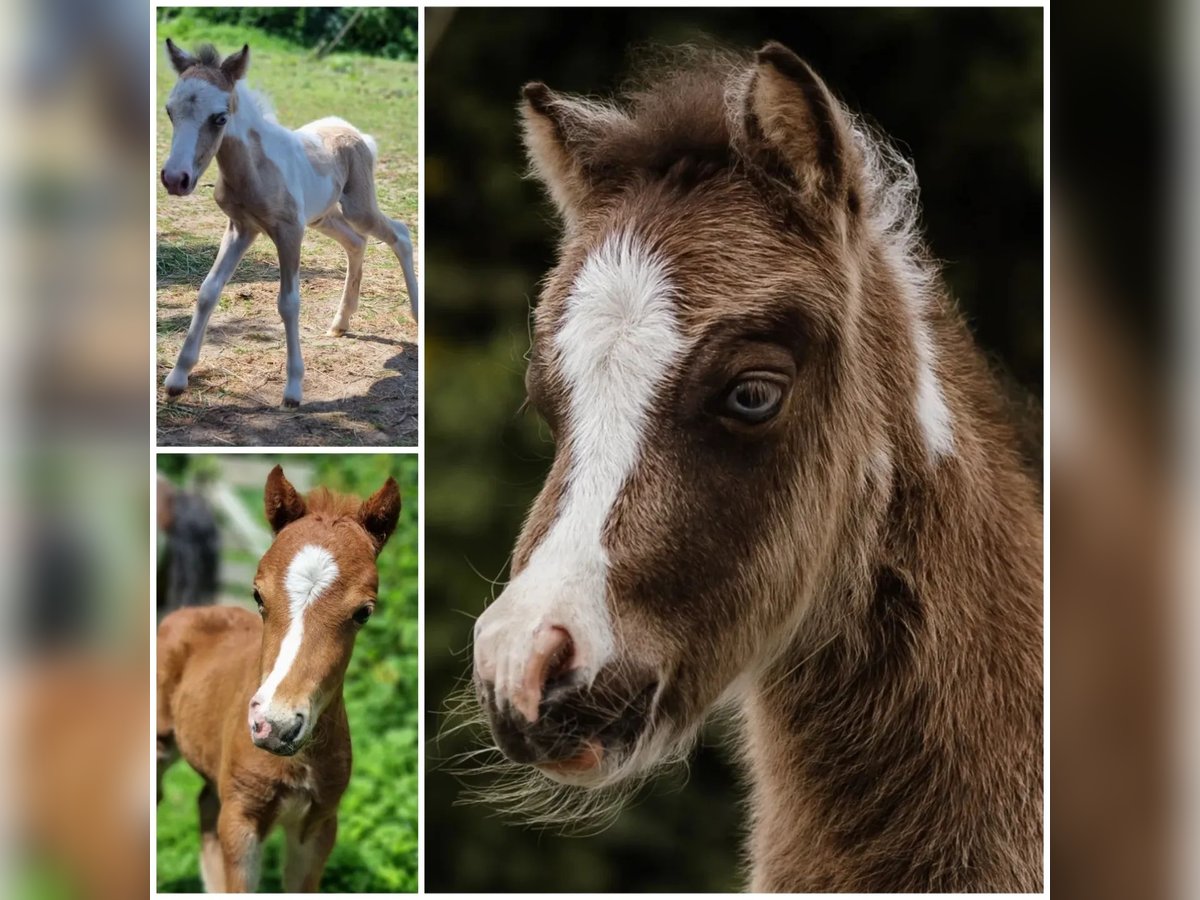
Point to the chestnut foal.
(276, 181)
(255, 705)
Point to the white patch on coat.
(933, 415)
(311, 572)
(616, 343)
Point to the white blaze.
(616, 343)
(311, 572)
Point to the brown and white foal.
(784, 482)
(275, 181)
(254, 702)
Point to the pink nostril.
(553, 654)
(260, 728)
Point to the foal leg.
(362, 212)
(241, 850)
(403, 249)
(355, 245)
(304, 861)
(237, 240)
(287, 242)
(212, 862)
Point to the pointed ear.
(380, 513)
(558, 131)
(180, 60)
(792, 111)
(235, 64)
(283, 505)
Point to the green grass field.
(360, 389)
(376, 849)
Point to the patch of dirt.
(359, 389)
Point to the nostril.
(294, 731)
(255, 704)
(552, 656)
(183, 181)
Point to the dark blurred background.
(961, 93)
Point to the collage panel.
(287, 610)
(287, 240)
(702, 405)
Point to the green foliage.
(961, 90)
(376, 849)
(376, 31)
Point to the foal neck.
(896, 745)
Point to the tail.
(371, 145)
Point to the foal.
(254, 702)
(784, 481)
(275, 181)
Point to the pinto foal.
(275, 181)
(254, 702)
(785, 481)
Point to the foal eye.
(258, 601)
(220, 119)
(363, 613)
(753, 400)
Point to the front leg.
(287, 242)
(307, 852)
(236, 241)
(241, 848)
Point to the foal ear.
(181, 60)
(380, 513)
(235, 64)
(558, 130)
(791, 110)
(283, 505)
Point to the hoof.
(290, 404)
(334, 331)
(173, 392)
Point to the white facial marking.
(310, 573)
(193, 102)
(616, 343)
(933, 415)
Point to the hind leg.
(165, 754)
(212, 863)
(404, 252)
(362, 212)
(355, 245)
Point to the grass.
(361, 389)
(376, 849)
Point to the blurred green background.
(377, 821)
(961, 93)
(372, 30)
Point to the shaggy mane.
(682, 114)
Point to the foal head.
(200, 105)
(315, 588)
(712, 355)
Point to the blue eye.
(753, 400)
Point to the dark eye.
(363, 613)
(258, 601)
(753, 399)
(220, 119)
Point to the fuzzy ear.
(790, 109)
(380, 513)
(283, 505)
(558, 130)
(180, 59)
(235, 64)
